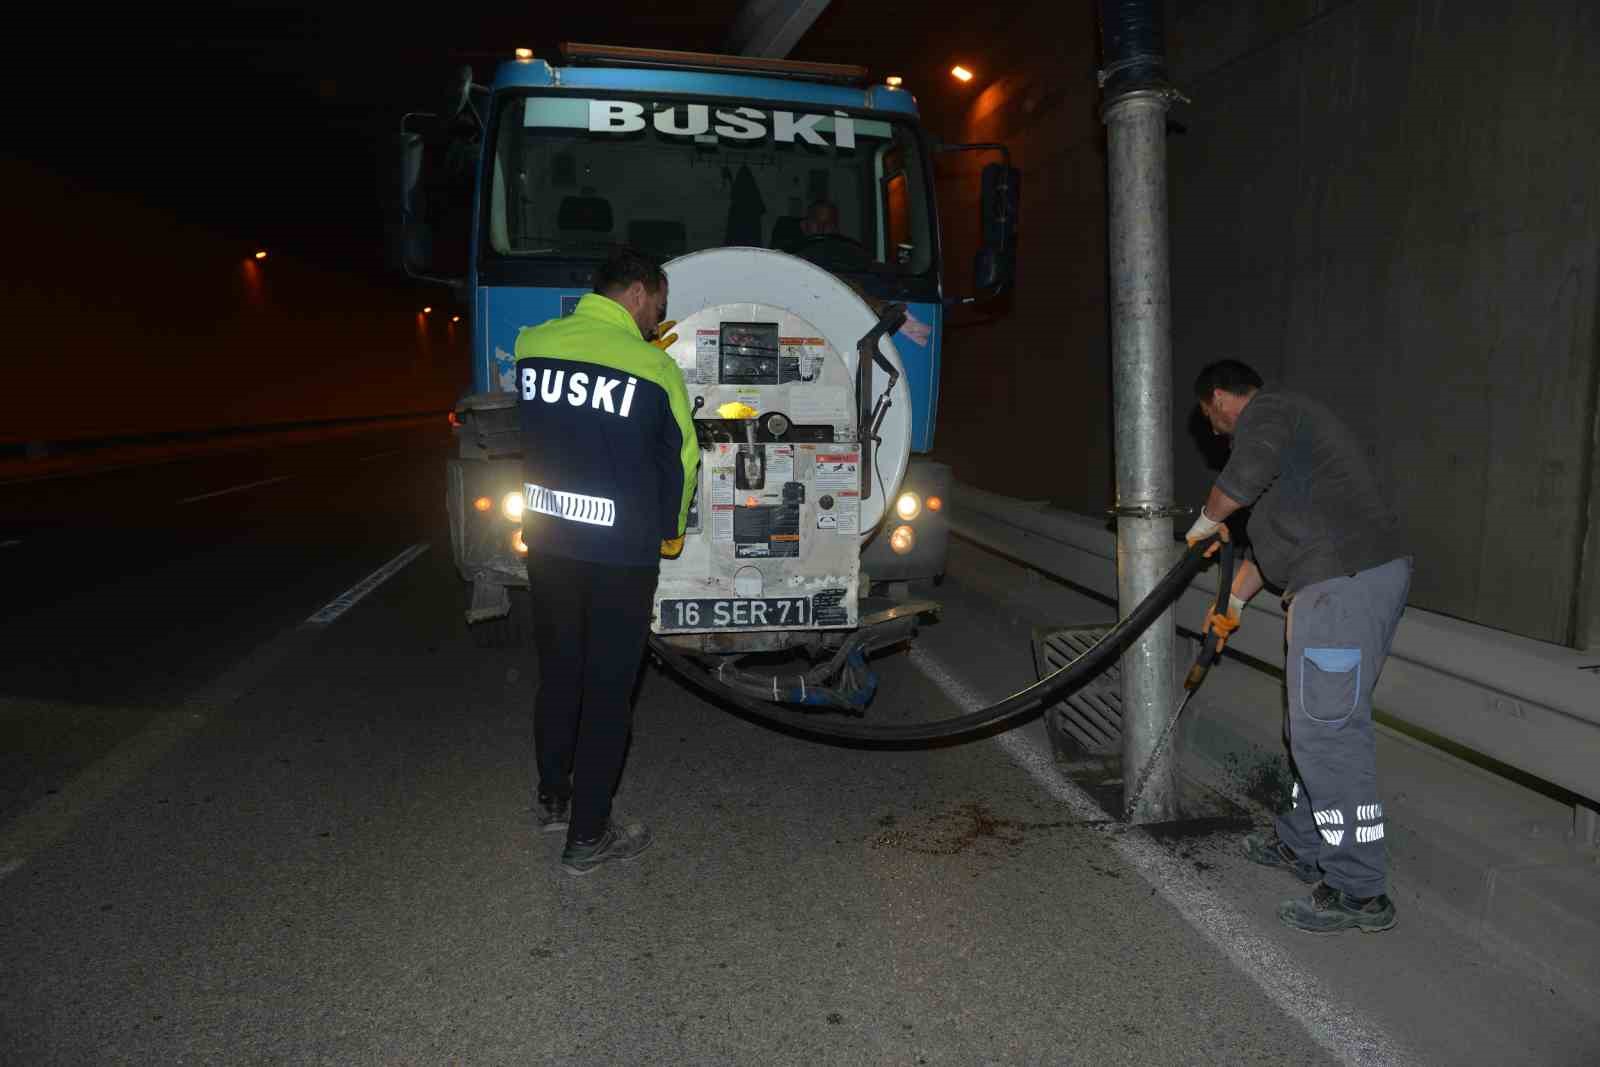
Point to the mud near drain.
(1198, 841)
(1266, 780)
(961, 829)
(972, 827)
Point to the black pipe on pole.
(1132, 40)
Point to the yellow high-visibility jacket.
(609, 451)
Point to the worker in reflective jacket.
(609, 461)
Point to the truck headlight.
(511, 506)
(903, 540)
(908, 507)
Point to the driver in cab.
(821, 220)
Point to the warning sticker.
(837, 471)
(800, 358)
(706, 355)
(847, 513)
(780, 464)
(836, 480)
(719, 485)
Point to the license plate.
(735, 613)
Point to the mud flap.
(489, 602)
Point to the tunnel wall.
(124, 322)
(1391, 204)
(1025, 395)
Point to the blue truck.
(793, 207)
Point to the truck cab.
(680, 155)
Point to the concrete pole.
(1141, 357)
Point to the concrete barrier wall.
(121, 321)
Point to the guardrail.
(1524, 703)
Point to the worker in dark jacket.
(1320, 531)
(609, 463)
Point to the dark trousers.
(590, 622)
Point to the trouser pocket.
(1330, 684)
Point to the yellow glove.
(672, 548)
(1203, 528)
(664, 339)
(1224, 625)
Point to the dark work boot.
(551, 813)
(1266, 849)
(1328, 910)
(620, 843)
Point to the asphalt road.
(227, 836)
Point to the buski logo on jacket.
(578, 389)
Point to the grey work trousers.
(1339, 634)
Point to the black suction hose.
(1020, 705)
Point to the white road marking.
(236, 488)
(1297, 994)
(53, 817)
(350, 597)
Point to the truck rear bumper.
(483, 542)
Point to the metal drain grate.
(1093, 715)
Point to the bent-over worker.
(1320, 531)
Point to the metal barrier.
(1527, 704)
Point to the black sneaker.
(1328, 910)
(1265, 849)
(620, 843)
(551, 813)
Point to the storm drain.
(1092, 717)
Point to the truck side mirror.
(415, 238)
(995, 264)
(458, 95)
(433, 233)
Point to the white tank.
(758, 284)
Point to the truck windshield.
(574, 176)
